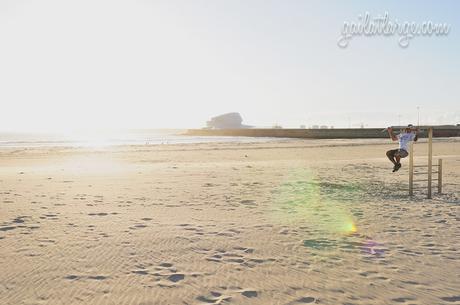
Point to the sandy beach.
(284, 222)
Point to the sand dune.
(289, 222)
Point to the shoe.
(396, 167)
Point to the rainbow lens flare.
(303, 199)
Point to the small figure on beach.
(409, 134)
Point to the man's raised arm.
(392, 135)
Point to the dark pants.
(396, 154)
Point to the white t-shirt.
(404, 139)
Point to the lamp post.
(418, 115)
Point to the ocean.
(112, 138)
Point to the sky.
(175, 63)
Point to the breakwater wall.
(336, 133)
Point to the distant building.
(324, 127)
(231, 120)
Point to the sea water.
(112, 138)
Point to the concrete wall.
(338, 133)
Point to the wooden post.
(411, 169)
(439, 176)
(430, 160)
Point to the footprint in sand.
(248, 202)
(303, 300)
(245, 250)
(138, 226)
(240, 256)
(98, 277)
(453, 299)
(176, 277)
(98, 214)
(19, 219)
(225, 296)
(91, 277)
(214, 297)
(49, 216)
(250, 293)
(72, 277)
(166, 275)
(140, 272)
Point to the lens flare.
(350, 228)
(303, 198)
(374, 248)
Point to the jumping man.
(395, 155)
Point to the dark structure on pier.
(231, 120)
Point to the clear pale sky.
(165, 64)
